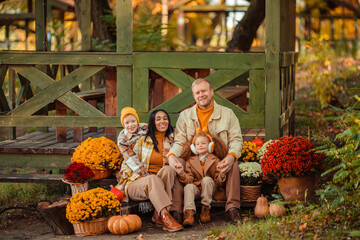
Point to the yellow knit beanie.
(126, 111)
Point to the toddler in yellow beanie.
(127, 139)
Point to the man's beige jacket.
(223, 124)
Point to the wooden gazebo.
(271, 84)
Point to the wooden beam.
(65, 58)
(124, 88)
(175, 76)
(70, 99)
(56, 90)
(124, 26)
(199, 60)
(35, 160)
(272, 71)
(177, 103)
(141, 89)
(85, 26)
(40, 25)
(224, 76)
(53, 121)
(257, 91)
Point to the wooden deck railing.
(225, 67)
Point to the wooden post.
(272, 71)
(110, 101)
(60, 131)
(280, 37)
(12, 130)
(124, 45)
(41, 44)
(85, 28)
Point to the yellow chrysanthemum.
(92, 204)
(98, 153)
(249, 152)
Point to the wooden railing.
(225, 67)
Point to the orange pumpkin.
(124, 224)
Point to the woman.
(156, 180)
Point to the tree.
(245, 30)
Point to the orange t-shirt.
(156, 159)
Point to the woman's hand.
(166, 147)
(165, 152)
(142, 172)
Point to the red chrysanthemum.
(290, 157)
(78, 173)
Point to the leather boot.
(169, 223)
(188, 218)
(234, 215)
(177, 215)
(156, 219)
(205, 214)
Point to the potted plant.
(250, 181)
(100, 154)
(249, 152)
(292, 161)
(263, 149)
(78, 175)
(89, 211)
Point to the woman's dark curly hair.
(152, 128)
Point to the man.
(221, 122)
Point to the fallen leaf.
(140, 237)
(302, 227)
(222, 236)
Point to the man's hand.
(225, 165)
(179, 169)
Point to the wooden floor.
(45, 142)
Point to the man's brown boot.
(188, 218)
(156, 219)
(169, 223)
(205, 214)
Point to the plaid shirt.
(143, 150)
(126, 142)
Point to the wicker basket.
(93, 227)
(77, 187)
(101, 174)
(249, 193)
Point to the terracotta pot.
(297, 188)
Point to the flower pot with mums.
(292, 161)
(249, 152)
(250, 181)
(100, 154)
(77, 175)
(89, 211)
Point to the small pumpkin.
(258, 142)
(124, 224)
(276, 209)
(117, 192)
(261, 208)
